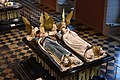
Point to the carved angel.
(31, 31)
(65, 21)
(47, 25)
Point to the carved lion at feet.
(68, 60)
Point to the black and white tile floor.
(109, 45)
(13, 49)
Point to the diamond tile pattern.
(12, 48)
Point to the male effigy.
(64, 59)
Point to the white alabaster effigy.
(80, 46)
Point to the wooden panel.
(91, 12)
(49, 3)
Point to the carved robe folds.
(80, 46)
(58, 53)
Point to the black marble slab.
(29, 69)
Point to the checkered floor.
(109, 45)
(12, 48)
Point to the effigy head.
(64, 30)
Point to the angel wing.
(46, 15)
(49, 23)
(42, 30)
(68, 18)
(63, 15)
(27, 25)
(42, 19)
